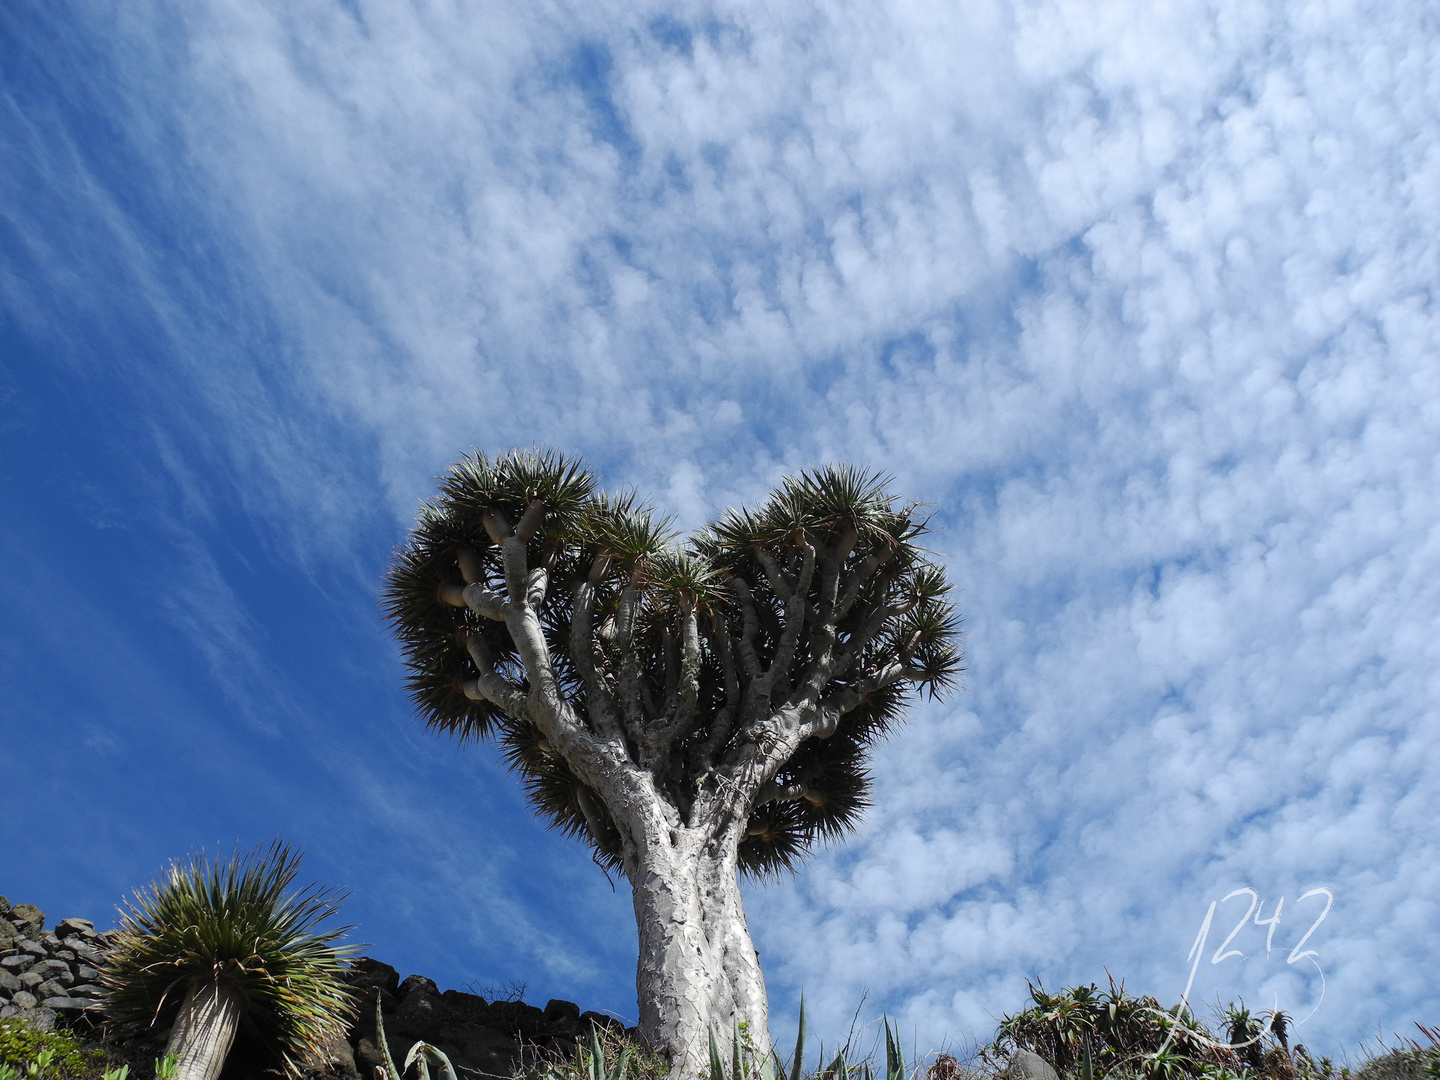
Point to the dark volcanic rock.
(558, 1011)
(39, 1018)
(67, 927)
(421, 1011)
(1025, 1065)
(86, 952)
(418, 984)
(516, 1016)
(494, 1038)
(602, 1021)
(337, 1061)
(366, 973)
(480, 1037)
(463, 1008)
(66, 1004)
(484, 1049)
(51, 988)
(31, 916)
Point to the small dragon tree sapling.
(225, 946)
(687, 709)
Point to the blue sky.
(1140, 298)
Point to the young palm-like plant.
(218, 947)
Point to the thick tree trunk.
(205, 1030)
(698, 970)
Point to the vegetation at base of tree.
(604, 1055)
(1413, 1060)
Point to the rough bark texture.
(697, 965)
(205, 1029)
(685, 711)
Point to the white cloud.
(1141, 297)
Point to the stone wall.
(47, 974)
(52, 976)
(490, 1037)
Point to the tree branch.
(631, 671)
(725, 715)
(783, 584)
(517, 565)
(689, 690)
(750, 626)
(490, 685)
(794, 620)
(773, 792)
(625, 616)
(833, 708)
(530, 521)
(583, 651)
(832, 568)
(594, 815)
(672, 668)
(861, 574)
(483, 601)
(683, 697)
(472, 569)
(537, 584)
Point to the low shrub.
(1086, 1034)
(45, 1055)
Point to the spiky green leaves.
(685, 647)
(835, 783)
(844, 514)
(455, 522)
(240, 922)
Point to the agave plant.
(220, 947)
(421, 1056)
(746, 1063)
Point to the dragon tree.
(689, 708)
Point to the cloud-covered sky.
(1140, 298)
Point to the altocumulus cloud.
(1140, 297)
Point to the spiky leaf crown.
(234, 920)
(834, 508)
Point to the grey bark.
(205, 1028)
(698, 969)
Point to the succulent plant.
(219, 947)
